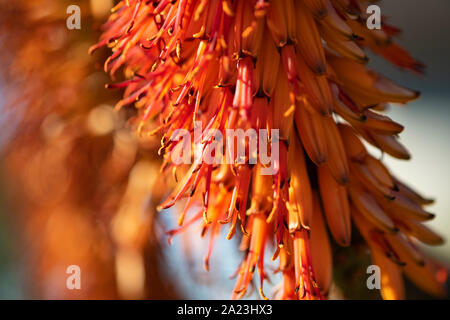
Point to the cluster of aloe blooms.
(294, 65)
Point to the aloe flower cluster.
(299, 66)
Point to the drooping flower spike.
(300, 67)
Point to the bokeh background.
(426, 34)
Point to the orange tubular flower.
(297, 66)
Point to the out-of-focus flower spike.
(336, 207)
(312, 133)
(309, 44)
(336, 156)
